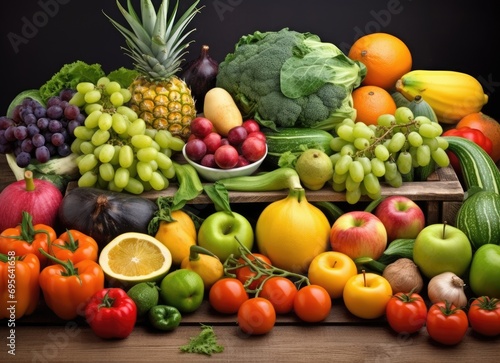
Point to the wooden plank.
(443, 185)
(285, 343)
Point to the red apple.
(201, 127)
(224, 141)
(196, 149)
(226, 157)
(237, 135)
(358, 234)
(212, 141)
(253, 149)
(251, 126)
(401, 216)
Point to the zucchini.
(479, 218)
(294, 140)
(478, 168)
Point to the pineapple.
(156, 44)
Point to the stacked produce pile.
(352, 123)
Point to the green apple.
(182, 289)
(219, 231)
(484, 275)
(442, 248)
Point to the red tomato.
(446, 323)
(312, 303)
(406, 313)
(256, 316)
(226, 295)
(472, 134)
(246, 273)
(484, 316)
(281, 292)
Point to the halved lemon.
(133, 257)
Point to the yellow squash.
(204, 263)
(292, 231)
(452, 95)
(178, 236)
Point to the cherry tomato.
(246, 273)
(446, 323)
(256, 316)
(484, 316)
(281, 292)
(226, 295)
(406, 313)
(312, 303)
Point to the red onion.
(200, 75)
(40, 198)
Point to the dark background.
(442, 35)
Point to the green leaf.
(204, 343)
(219, 195)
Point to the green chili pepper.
(164, 317)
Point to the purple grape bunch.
(37, 132)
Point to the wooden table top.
(42, 337)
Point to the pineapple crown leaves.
(156, 40)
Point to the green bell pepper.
(164, 317)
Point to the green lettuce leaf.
(69, 76)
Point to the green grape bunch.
(390, 152)
(116, 150)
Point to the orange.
(488, 126)
(370, 102)
(386, 57)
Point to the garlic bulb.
(447, 286)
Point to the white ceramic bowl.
(212, 174)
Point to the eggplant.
(104, 215)
(200, 75)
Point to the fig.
(200, 75)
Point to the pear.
(314, 168)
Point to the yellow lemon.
(132, 257)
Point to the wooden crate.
(440, 196)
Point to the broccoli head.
(287, 79)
